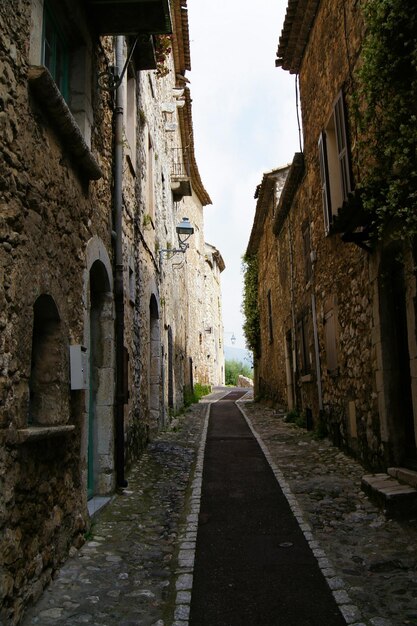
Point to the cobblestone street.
(136, 567)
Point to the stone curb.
(188, 537)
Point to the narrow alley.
(139, 563)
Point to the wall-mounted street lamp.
(232, 338)
(184, 232)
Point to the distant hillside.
(238, 354)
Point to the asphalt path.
(253, 565)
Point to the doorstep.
(96, 504)
(387, 492)
(404, 475)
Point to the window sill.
(47, 93)
(35, 433)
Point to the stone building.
(271, 292)
(211, 336)
(99, 326)
(336, 304)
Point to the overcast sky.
(245, 124)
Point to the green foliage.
(163, 48)
(233, 369)
(321, 431)
(295, 417)
(191, 396)
(146, 220)
(386, 104)
(250, 310)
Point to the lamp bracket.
(111, 80)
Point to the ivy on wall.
(387, 108)
(163, 48)
(250, 310)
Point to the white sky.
(244, 120)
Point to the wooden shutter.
(342, 150)
(324, 175)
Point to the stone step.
(404, 475)
(396, 498)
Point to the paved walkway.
(253, 564)
(137, 567)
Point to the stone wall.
(49, 211)
(273, 301)
(340, 282)
(58, 443)
(324, 351)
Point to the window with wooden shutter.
(340, 127)
(335, 176)
(325, 190)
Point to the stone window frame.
(49, 400)
(70, 114)
(334, 162)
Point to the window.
(334, 163)
(303, 344)
(55, 52)
(60, 40)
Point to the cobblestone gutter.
(126, 573)
(369, 561)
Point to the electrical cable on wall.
(297, 106)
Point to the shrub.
(235, 368)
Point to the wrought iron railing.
(180, 163)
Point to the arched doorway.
(155, 412)
(100, 445)
(396, 358)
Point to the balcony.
(180, 174)
(130, 17)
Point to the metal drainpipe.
(293, 320)
(118, 276)
(316, 349)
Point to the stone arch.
(99, 339)
(154, 369)
(49, 376)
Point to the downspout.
(316, 349)
(118, 275)
(293, 321)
